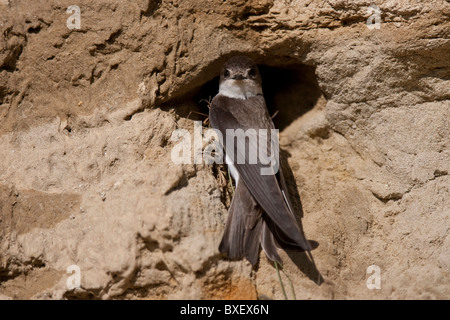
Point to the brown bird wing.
(243, 228)
(228, 113)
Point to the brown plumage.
(261, 210)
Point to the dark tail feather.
(252, 239)
(243, 228)
(286, 242)
(268, 244)
(247, 227)
(233, 240)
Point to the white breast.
(239, 89)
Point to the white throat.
(239, 89)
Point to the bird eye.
(226, 73)
(252, 73)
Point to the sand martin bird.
(260, 214)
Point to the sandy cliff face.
(86, 117)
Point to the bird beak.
(239, 77)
